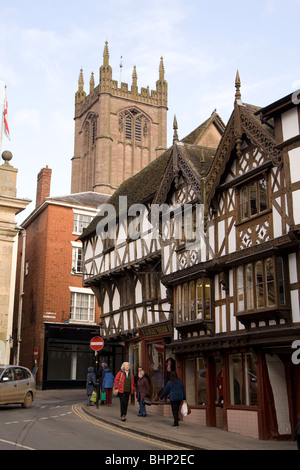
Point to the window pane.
(199, 294)
(259, 284)
(190, 380)
(178, 304)
(270, 282)
(249, 287)
(250, 380)
(192, 300)
(207, 298)
(244, 203)
(240, 289)
(281, 281)
(262, 195)
(236, 379)
(201, 381)
(185, 302)
(253, 198)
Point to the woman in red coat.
(124, 383)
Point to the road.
(55, 421)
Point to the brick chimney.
(43, 185)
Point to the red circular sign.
(96, 343)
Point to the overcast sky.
(43, 45)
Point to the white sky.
(43, 45)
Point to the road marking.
(16, 445)
(123, 433)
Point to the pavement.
(186, 436)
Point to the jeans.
(175, 410)
(142, 411)
(124, 398)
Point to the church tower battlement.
(118, 130)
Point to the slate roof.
(89, 198)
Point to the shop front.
(67, 355)
(152, 352)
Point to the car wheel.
(27, 401)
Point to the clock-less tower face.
(118, 131)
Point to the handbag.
(94, 397)
(147, 401)
(116, 391)
(103, 396)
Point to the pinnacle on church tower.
(80, 94)
(134, 87)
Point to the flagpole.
(2, 120)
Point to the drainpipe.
(21, 295)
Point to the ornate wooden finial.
(175, 127)
(238, 95)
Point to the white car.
(17, 385)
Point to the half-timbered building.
(123, 267)
(225, 304)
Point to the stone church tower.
(118, 130)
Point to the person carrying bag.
(175, 390)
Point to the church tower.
(118, 131)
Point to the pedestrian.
(142, 391)
(107, 385)
(136, 377)
(100, 376)
(91, 383)
(175, 390)
(124, 384)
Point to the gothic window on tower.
(133, 126)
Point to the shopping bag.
(185, 409)
(94, 397)
(103, 396)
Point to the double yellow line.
(118, 431)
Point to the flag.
(6, 128)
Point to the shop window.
(243, 379)
(156, 360)
(195, 381)
(261, 284)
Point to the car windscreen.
(1, 370)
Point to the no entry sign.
(96, 343)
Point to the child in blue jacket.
(107, 385)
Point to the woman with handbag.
(175, 390)
(142, 391)
(123, 387)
